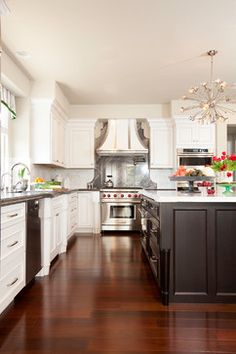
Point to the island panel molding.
(203, 251)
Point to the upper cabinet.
(161, 143)
(80, 144)
(194, 135)
(48, 133)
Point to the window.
(5, 116)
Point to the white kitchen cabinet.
(88, 212)
(48, 133)
(72, 214)
(80, 144)
(54, 224)
(12, 254)
(59, 226)
(58, 140)
(193, 135)
(56, 237)
(161, 143)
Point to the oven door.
(120, 216)
(194, 160)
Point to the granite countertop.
(8, 198)
(179, 197)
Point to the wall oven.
(193, 158)
(119, 210)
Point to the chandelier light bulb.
(209, 99)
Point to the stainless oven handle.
(195, 155)
(118, 202)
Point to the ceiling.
(123, 51)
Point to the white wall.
(19, 133)
(15, 79)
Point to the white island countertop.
(172, 196)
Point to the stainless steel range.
(119, 209)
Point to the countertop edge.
(15, 198)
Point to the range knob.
(136, 196)
(122, 195)
(108, 195)
(114, 195)
(104, 195)
(129, 195)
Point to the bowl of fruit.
(190, 175)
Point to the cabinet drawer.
(12, 214)
(11, 284)
(13, 238)
(8, 263)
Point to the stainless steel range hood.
(122, 138)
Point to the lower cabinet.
(54, 229)
(12, 255)
(56, 237)
(89, 212)
(72, 214)
(203, 259)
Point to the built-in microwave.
(194, 157)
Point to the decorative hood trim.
(122, 138)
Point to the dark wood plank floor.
(101, 298)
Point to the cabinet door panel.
(55, 132)
(161, 148)
(185, 135)
(190, 252)
(191, 134)
(81, 152)
(161, 143)
(85, 210)
(206, 135)
(225, 252)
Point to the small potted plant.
(22, 185)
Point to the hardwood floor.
(100, 297)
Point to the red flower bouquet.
(224, 163)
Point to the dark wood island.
(190, 243)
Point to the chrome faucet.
(12, 170)
(2, 179)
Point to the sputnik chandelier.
(211, 101)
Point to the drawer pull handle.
(13, 282)
(12, 244)
(57, 214)
(12, 215)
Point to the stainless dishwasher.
(33, 240)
